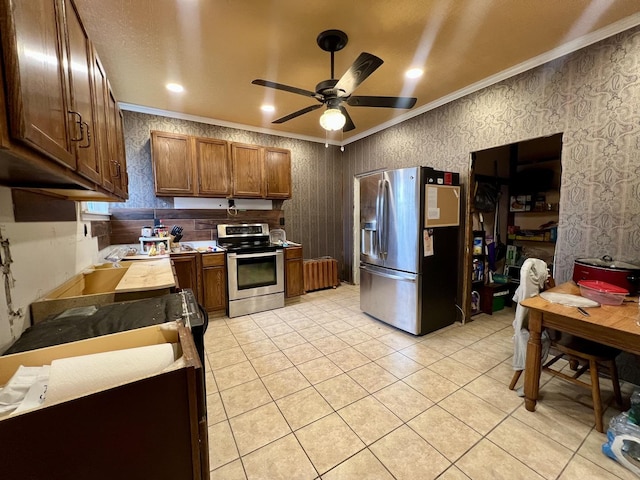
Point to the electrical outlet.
(232, 203)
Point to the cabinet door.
(277, 164)
(100, 131)
(122, 156)
(248, 176)
(116, 145)
(81, 120)
(36, 80)
(185, 267)
(294, 273)
(171, 155)
(213, 167)
(214, 283)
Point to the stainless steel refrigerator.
(409, 220)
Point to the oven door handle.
(254, 255)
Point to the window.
(95, 208)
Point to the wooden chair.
(583, 355)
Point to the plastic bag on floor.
(623, 436)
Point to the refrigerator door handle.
(378, 242)
(384, 223)
(385, 273)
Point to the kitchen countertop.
(147, 275)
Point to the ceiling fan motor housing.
(326, 88)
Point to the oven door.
(253, 274)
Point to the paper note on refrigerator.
(428, 243)
(433, 212)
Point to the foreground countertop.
(147, 275)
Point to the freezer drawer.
(392, 297)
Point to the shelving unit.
(479, 257)
(478, 270)
(530, 234)
(144, 248)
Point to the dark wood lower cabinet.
(214, 282)
(206, 275)
(294, 274)
(187, 270)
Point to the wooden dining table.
(614, 325)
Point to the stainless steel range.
(255, 268)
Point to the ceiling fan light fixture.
(332, 119)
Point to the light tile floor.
(319, 390)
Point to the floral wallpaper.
(591, 96)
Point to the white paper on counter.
(78, 376)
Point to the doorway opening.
(513, 215)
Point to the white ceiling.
(215, 48)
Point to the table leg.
(532, 366)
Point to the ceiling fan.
(333, 93)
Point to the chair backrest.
(533, 276)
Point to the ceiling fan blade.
(286, 88)
(364, 66)
(348, 124)
(297, 114)
(387, 102)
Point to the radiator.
(320, 273)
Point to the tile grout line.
(400, 379)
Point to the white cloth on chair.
(533, 275)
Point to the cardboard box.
(511, 255)
(154, 427)
(520, 203)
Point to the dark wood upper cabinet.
(190, 166)
(82, 115)
(100, 137)
(122, 187)
(116, 146)
(173, 169)
(277, 162)
(213, 167)
(54, 96)
(36, 80)
(248, 171)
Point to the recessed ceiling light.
(174, 87)
(414, 73)
(268, 108)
